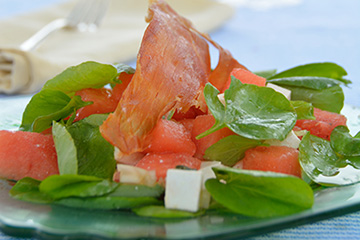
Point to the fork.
(85, 16)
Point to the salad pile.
(174, 138)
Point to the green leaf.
(162, 212)
(94, 154)
(317, 157)
(65, 150)
(46, 106)
(266, 73)
(108, 202)
(230, 150)
(259, 194)
(323, 165)
(27, 189)
(131, 190)
(216, 108)
(63, 186)
(343, 143)
(253, 112)
(88, 150)
(330, 99)
(317, 83)
(124, 196)
(304, 110)
(325, 69)
(42, 123)
(85, 75)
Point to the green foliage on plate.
(259, 194)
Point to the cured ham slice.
(173, 66)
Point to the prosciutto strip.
(173, 66)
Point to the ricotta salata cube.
(183, 189)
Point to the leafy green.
(109, 202)
(62, 186)
(89, 192)
(162, 212)
(85, 75)
(316, 156)
(345, 145)
(54, 102)
(89, 153)
(131, 190)
(65, 149)
(266, 73)
(47, 106)
(329, 99)
(250, 111)
(259, 194)
(304, 110)
(27, 189)
(317, 83)
(230, 149)
(325, 69)
(327, 162)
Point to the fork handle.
(39, 36)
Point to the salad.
(174, 138)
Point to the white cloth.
(117, 39)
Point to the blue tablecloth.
(283, 34)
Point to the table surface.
(280, 34)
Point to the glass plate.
(56, 222)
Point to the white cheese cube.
(290, 141)
(284, 91)
(135, 175)
(183, 188)
(207, 173)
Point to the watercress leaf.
(259, 194)
(317, 157)
(108, 202)
(304, 110)
(329, 99)
(43, 103)
(131, 190)
(357, 135)
(266, 73)
(42, 123)
(65, 149)
(230, 150)
(85, 75)
(343, 143)
(317, 83)
(95, 156)
(162, 212)
(325, 69)
(216, 108)
(258, 112)
(69, 185)
(323, 165)
(27, 189)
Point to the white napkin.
(117, 39)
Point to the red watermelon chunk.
(245, 77)
(27, 154)
(170, 137)
(279, 159)
(324, 123)
(200, 125)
